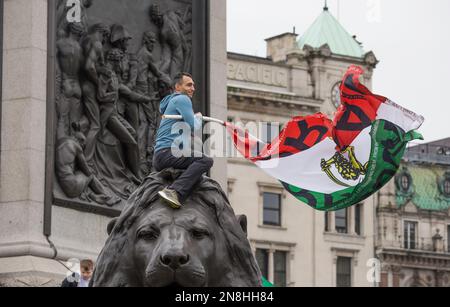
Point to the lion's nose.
(174, 260)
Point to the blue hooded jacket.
(175, 104)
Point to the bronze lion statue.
(203, 244)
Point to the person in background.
(77, 281)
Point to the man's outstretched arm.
(184, 106)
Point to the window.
(262, 257)
(447, 187)
(278, 275)
(272, 209)
(410, 229)
(341, 221)
(448, 238)
(327, 221)
(344, 272)
(358, 210)
(269, 131)
(280, 269)
(405, 183)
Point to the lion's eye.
(199, 233)
(149, 235)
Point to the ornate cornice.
(254, 59)
(441, 215)
(270, 102)
(415, 258)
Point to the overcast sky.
(411, 38)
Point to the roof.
(437, 152)
(246, 57)
(327, 30)
(439, 143)
(426, 186)
(281, 35)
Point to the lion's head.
(202, 244)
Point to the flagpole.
(206, 119)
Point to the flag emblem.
(349, 169)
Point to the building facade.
(294, 244)
(413, 220)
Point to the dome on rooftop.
(327, 30)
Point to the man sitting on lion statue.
(202, 244)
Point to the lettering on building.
(255, 73)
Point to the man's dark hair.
(178, 79)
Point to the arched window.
(447, 187)
(405, 183)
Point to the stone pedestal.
(218, 80)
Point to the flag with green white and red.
(331, 165)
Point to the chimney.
(279, 46)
